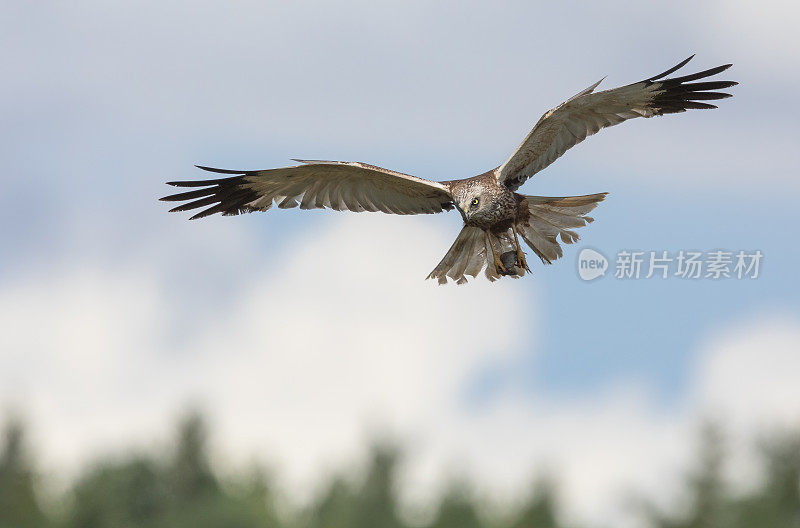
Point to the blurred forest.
(181, 489)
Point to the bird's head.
(473, 204)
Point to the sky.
(305, 334)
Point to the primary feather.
(587, 112)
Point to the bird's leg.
(521, 262)
(498, 264)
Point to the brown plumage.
(495, 215)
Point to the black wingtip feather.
(228, 196)
(678, 94)
(710, 85)
(222, 171)
(202, 183)
(179, 197)
(195, 204)
(673, 69)
(700, 75)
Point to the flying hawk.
(495, 216)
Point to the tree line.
(182, 489)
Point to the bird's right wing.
(337, 185)
(587, 112)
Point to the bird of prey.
(495, 215)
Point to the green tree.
(539, 510)
(180, 491)
(197, 499)
(19, 506)
(190, 476)
(457, 509)
(708, 499)
(119, 494)
(334, 508)
(376, 503)
(777, 503)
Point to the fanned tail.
(468, 255)
(552, 217)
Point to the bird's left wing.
(338, 185)
(586, 113)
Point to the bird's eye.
(475, 201)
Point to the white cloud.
(763, 34)
(345, 335)
(349, 332)
(391, 84)
(617, 445)
(75, 347)
(748, 376)
(345, 329)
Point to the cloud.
(748, 374)
(389, 84)
(75, 346)
(340, 330)
(618, 445)
(340, 338)
(768, 29)
(345, 332)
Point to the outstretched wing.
(585, 113)
(352, 186)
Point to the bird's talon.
(499, 267)
(521, 262)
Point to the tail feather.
(553, 217)
(467, 256)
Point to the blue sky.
(104, 102)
